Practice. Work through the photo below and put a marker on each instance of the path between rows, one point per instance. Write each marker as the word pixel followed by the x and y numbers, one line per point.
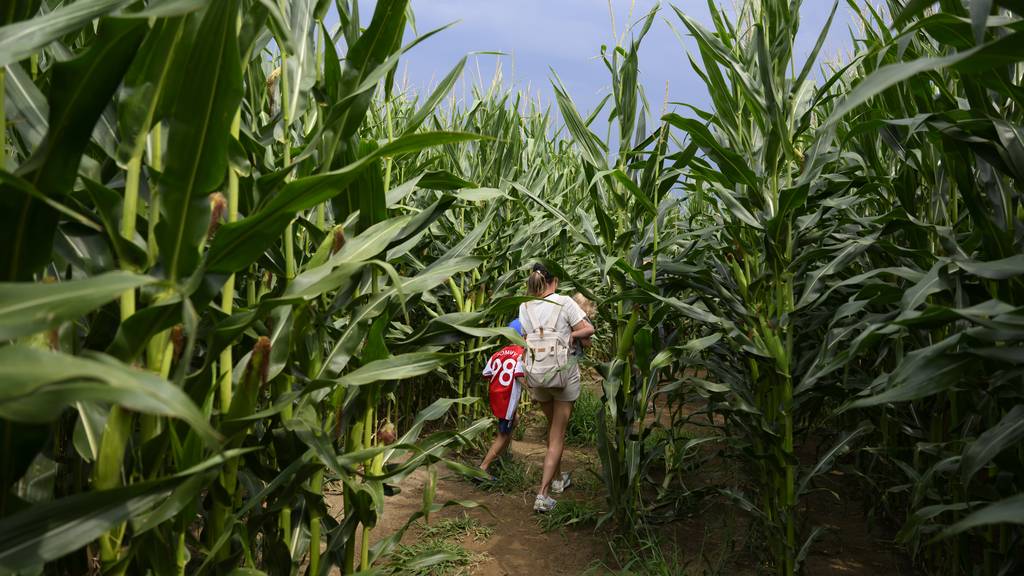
pixel 517 546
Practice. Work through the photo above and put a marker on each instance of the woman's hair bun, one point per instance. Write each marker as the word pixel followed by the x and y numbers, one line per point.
pixel 548 276
pixel 538 280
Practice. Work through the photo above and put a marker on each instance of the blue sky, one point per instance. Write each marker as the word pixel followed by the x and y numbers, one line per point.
pixel 566 36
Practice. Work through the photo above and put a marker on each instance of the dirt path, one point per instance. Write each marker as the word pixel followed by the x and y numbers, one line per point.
pixel 517 545
pixel 713 539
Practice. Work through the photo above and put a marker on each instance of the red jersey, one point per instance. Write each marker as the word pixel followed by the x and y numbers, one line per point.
pixel 504 369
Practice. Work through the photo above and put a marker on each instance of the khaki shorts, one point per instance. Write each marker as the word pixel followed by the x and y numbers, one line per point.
pixel 568 394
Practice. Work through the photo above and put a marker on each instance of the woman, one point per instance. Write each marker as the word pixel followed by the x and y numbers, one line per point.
pixel 569 320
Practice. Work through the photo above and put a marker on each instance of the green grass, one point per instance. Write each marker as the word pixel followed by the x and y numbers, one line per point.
pixel 435 557
pixel 527 418
pixel 513 475
pixel 583 424
pixel 661 434
pixel 640 555
pixel 587 479
pixel 569 514
pixel 440 549
pixel 458 528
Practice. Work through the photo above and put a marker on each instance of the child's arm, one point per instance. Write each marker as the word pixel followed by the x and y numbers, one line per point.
pixel 517 392
pixel 488 372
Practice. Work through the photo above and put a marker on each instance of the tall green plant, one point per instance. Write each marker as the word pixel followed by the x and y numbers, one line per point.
pixel 625 232
pixel 831 237
pixel 154 165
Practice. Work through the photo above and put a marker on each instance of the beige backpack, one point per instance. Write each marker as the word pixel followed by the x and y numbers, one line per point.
pixel 547 353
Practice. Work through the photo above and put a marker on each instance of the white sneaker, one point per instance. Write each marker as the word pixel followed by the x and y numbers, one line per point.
pixel 544 504
pixel 559 486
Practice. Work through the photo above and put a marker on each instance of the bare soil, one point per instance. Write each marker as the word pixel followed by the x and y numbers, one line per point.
pixel 851 543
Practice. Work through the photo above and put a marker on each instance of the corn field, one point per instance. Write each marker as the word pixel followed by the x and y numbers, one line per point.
pixel 241 262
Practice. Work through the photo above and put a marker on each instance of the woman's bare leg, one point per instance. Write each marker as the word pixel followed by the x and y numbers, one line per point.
pixel 547 408
pixel 556 442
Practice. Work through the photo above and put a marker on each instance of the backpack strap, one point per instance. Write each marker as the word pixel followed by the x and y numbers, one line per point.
pixel 554 323
pixel 533 321
pixel 552 326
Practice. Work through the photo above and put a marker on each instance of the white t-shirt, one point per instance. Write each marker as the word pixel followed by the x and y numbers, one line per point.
pixel 544 311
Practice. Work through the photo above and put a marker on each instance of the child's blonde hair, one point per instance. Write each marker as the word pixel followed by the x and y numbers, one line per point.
pixel 585 304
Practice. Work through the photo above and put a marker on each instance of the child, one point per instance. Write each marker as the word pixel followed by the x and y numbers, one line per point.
pixel 590 310
pixel 505 369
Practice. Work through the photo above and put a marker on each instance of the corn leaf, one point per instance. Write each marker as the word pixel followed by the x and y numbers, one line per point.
pixel 19 40
pixel 49 530
pixel 300 71
pixel 923 373
pixel 28 307
pixel 26 102
pixel 240 243
pixel 145 83
pixel 1006 511
pixel 83 87
pixel 197 145
pixel 39 383
pixel 1007 433
pixel 399 367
